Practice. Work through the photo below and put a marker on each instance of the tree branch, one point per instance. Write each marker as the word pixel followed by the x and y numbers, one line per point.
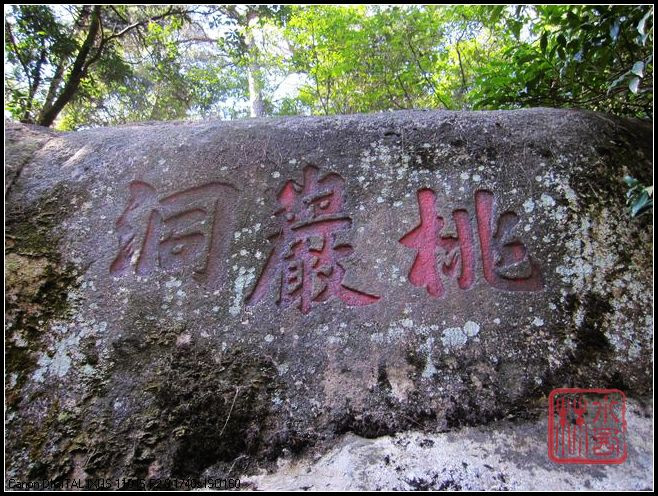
pixel 422 72
pixel 461 67
pixel 199 39
pixel 12 42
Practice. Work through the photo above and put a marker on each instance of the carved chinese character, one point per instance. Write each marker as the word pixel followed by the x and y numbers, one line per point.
pixel 305 263
pixel 505 262
pixel 184 231
pixel 456 252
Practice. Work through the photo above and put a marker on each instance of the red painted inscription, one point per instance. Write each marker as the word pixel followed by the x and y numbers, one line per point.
pixel 305 263
pixel 505 261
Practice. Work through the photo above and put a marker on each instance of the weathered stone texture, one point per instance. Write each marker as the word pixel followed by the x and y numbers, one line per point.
pixel 189 298
pixel 503 456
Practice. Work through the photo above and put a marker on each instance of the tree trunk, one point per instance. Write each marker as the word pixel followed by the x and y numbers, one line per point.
pixel 58 77
pixel 48 115
pixel 254 70
pixel 36 81
pixel 53 88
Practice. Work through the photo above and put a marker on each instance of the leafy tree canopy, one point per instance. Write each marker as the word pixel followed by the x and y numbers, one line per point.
pixel 77 66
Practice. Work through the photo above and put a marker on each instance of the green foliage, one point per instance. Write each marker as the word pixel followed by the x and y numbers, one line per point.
pixel 168 62
pixel 90 62
pixel 361 59
pixel 594 57
pixel 34 41
pixel 639 197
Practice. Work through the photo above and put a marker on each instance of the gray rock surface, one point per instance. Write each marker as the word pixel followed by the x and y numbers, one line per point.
pixel 190 298
pixel 502 456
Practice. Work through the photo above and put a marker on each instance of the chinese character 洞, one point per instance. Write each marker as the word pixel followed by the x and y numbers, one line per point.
pixel 184 231
pixel 305 264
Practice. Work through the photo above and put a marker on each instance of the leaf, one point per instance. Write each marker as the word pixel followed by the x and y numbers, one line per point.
pixel 630 181
pixel 641 204
pixel 527 57
pixel 617 81
pixel 634 85
pixel 515 26
pixel 572 19
pixel 543 43
pixel 641 26
pixel 638 68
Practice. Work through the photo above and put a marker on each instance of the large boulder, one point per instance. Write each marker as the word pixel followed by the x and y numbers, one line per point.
pixel 194 298
pixel 506 455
